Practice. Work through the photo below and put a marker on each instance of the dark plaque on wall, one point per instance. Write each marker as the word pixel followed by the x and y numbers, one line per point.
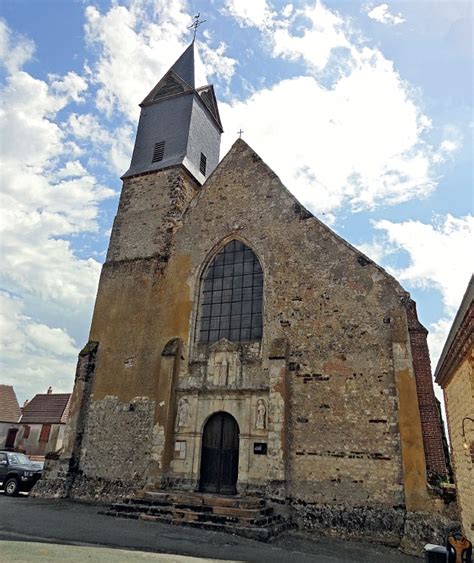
pixel 260 448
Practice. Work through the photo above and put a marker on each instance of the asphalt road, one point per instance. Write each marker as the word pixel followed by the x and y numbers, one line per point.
pixel 27 519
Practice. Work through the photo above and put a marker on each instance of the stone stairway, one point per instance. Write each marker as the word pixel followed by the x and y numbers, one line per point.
pixel 245 516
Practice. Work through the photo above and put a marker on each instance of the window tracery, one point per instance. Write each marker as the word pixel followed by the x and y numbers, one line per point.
pixel 232 296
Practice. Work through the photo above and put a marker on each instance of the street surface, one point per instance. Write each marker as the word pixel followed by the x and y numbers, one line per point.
pixel 68 523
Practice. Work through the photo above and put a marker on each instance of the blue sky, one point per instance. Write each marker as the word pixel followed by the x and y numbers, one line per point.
pixel 364 110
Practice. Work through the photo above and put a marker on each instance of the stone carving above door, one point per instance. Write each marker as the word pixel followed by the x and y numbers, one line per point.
pixel 224 366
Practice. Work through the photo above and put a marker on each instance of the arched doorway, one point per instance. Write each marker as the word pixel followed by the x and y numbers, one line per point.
pixel 220 455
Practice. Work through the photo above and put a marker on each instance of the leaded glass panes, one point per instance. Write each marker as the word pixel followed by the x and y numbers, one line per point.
pixel 232 294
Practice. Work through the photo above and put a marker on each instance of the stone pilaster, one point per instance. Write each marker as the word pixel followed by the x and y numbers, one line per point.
pixel 277 415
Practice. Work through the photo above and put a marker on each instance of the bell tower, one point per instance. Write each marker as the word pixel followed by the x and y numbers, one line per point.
pixel 176 148
pixel 123 373
pixel 179 122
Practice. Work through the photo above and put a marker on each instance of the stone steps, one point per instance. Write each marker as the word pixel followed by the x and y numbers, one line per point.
pixel 248 517
pixel 202 499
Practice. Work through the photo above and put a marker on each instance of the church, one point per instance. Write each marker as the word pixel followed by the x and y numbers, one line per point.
pixel 241 349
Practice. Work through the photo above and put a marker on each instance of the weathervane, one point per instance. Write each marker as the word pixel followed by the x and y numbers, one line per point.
pixel 196 23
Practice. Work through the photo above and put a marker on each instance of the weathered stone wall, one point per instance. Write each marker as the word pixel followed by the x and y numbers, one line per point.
pixel 118 438
pixel 330 304
pixel 62 467
pixel 148 214
pixel 459 399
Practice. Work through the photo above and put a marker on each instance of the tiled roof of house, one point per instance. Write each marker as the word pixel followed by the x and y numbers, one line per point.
pixel 48 408
pixel 67 410
pixel 9 407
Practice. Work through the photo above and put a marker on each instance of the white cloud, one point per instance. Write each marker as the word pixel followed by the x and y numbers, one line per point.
pixel 439 257
pixel 216 62
pixel 381 13
pixel 117 144
pixel 15 50
pixel 438 333
pixel 249 13
pixel 440 254
pixel 449 146
pixel 69 87
pixel 72 169
pixel 357 142
pixel 34 355
pixel 324 31
pixel 356 138
pixel 376 250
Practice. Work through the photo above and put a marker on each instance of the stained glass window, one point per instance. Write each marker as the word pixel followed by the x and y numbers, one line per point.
pixel 232 296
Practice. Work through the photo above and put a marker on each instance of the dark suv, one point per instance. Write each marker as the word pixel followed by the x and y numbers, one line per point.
pixel 17 473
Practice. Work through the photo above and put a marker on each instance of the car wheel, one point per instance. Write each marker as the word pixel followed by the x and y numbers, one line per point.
pixel 11 487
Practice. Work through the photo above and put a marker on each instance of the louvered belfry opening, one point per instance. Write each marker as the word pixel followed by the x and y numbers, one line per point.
pixel 159 151
pixel 203 164
pixel 170 86
pixel 232 296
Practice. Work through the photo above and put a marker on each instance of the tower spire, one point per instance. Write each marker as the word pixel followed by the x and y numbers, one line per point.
pixel 179 122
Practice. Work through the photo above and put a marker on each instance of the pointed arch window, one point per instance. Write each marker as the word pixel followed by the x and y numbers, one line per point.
pixel 232 296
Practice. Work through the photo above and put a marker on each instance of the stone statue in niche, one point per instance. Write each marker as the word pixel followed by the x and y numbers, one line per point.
pixel 223 367
pixel 182 414
pixel 261 421
pixel 222 372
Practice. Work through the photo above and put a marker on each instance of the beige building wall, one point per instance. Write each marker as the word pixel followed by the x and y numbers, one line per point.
pixel 459 400
pixel 32 445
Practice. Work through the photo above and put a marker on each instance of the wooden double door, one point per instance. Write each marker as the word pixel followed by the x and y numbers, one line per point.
pixel 220 455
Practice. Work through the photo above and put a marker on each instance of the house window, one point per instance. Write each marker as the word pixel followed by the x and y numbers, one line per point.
pixel 26 431
pixel 158 152
pixel 203 164
pixel 45 432
pixel 232 296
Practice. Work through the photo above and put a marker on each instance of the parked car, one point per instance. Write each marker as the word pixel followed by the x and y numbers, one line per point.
pixel 17 472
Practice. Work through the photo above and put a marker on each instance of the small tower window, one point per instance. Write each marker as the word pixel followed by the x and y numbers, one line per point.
pixel 158 152
pixel 202 164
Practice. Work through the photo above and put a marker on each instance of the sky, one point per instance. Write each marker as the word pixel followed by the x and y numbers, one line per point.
pixel 364 110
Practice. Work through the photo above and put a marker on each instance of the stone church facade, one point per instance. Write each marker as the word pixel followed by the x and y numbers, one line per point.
pixel 239 346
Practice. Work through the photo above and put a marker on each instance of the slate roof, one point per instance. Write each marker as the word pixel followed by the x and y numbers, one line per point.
pixel 180 112
pixel 9 407
pixel 187 73
pixel 190 68
pixel 46 409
